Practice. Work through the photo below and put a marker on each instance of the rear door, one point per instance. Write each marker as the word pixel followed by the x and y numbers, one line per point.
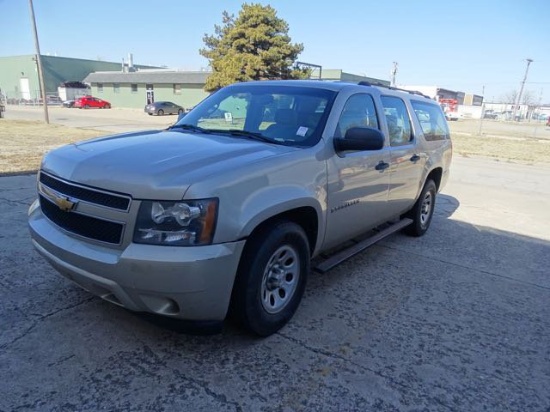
pixel 407 160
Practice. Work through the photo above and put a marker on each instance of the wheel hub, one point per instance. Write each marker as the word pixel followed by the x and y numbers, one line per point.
pixel 280 279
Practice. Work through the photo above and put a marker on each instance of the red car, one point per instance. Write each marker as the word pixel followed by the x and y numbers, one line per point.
pixel 88 101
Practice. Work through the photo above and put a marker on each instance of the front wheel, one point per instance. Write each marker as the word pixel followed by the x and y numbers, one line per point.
pixel 160 112
pixel 423 210
pixel 271 278
pixel 107 106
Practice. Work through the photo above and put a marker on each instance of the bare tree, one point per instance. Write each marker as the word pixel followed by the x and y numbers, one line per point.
pixel 528 98
pixel 509 97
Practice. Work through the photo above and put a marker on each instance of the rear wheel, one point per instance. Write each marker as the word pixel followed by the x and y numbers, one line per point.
pixel 423 210
pixel 160 112
pixel 271 278
pixel 86 106
pixel 180 111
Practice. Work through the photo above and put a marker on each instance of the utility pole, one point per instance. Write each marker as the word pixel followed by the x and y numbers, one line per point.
pixel 482 111
pixel 39 64
pixel 529 61
pixel 393 74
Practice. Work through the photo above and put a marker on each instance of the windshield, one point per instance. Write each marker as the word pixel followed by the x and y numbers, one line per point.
pixel 278 114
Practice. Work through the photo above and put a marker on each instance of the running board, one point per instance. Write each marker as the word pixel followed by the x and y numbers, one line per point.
pixel 345 254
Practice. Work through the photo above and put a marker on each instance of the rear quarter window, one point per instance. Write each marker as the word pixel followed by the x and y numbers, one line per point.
pixel 432 120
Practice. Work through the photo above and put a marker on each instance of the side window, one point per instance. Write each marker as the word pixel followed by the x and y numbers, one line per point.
pixel 359 111
pixel 397 119
pixel 432 120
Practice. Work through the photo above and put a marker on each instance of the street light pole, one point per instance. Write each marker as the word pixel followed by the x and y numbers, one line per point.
pixel 529 61
pixel 393 74
pixel 39 64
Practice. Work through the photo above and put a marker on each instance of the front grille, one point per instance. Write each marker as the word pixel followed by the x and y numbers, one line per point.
pixel 87 195
pixel 90 227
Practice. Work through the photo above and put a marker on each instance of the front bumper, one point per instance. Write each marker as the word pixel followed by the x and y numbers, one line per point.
pixel 192 283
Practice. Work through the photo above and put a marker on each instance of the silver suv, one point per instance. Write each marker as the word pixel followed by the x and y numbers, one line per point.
pixel 227 207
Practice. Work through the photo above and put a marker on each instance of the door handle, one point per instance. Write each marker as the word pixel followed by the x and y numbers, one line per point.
pixel 382 165
pixel 415 158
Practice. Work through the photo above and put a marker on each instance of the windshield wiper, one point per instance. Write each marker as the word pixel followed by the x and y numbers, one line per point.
pixel 189 127
pixel 245 133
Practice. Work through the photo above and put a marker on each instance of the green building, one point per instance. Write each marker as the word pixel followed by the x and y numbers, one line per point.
pixel 137 88
pixel 341 76
pixel 123 85
pixel 19 74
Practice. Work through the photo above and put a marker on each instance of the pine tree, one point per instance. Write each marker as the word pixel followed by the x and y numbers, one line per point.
pixel 253 46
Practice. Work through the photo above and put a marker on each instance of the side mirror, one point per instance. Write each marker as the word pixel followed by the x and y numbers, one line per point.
pixel 359 139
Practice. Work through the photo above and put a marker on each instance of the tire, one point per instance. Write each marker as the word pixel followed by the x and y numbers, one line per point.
pixel 107 106
pixel 150 114
pixel 271 278
pixel 180 111
pixel 160 112
pixel 423 211
pixel 86 106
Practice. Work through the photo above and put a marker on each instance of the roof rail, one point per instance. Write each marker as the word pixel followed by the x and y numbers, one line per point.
pixel 365 83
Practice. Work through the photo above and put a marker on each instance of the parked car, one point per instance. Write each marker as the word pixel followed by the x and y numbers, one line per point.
pixel 162 108
pixel 68 103
pixel 217 212
pixel 452 116
pixel 489 114
pixel 86 102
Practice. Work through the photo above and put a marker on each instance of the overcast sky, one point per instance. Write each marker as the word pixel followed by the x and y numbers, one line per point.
pixel 460 45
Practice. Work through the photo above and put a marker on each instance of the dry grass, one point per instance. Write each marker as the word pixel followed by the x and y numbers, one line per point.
pixel 521 150
pixel 522 143
pixel 25 142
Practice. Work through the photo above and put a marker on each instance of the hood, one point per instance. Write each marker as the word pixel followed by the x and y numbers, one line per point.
pixel 154 164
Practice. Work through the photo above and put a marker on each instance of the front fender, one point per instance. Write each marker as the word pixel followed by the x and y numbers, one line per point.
pixel 271 202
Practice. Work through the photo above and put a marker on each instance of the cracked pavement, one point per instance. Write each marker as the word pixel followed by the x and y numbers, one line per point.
pixel 458 320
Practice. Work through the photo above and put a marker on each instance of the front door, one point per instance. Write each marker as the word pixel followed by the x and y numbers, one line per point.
pixel 357 189
pixel 25 88
pixel 150 94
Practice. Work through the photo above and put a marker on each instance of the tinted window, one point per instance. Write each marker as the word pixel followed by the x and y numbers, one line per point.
pixel 432 120
pixel 397 119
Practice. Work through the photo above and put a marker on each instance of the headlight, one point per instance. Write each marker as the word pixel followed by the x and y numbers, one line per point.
pixel 183 223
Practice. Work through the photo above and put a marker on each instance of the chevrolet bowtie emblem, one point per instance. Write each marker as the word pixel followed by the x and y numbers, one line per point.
pixel 65 204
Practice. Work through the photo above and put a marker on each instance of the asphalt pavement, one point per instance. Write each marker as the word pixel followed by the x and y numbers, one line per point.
pixel 458 320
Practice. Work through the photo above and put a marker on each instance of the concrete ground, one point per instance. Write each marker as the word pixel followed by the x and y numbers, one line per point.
pixel 458 320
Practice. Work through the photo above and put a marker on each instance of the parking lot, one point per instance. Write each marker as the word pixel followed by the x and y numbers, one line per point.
pixel 458 320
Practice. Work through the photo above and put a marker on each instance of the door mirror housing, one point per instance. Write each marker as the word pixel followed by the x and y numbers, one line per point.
pixel 359 139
